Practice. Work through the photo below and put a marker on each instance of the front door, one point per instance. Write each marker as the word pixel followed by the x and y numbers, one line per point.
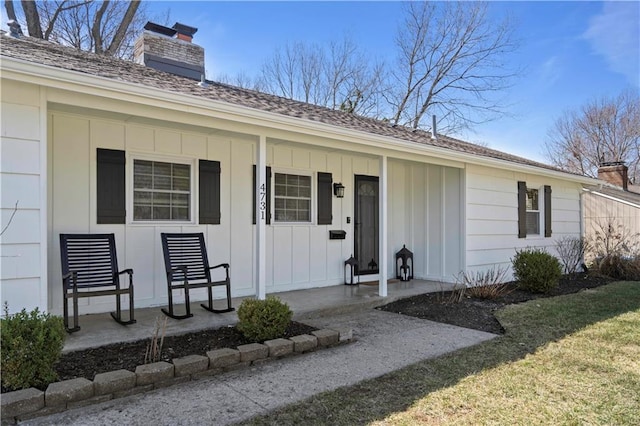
pixel 366 224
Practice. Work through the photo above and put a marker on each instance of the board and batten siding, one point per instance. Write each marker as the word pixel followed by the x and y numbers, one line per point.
pixel 426 214
pixel 298 255
pixel 492 215
pixel 23 279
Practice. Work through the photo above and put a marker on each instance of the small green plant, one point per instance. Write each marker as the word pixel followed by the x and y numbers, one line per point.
pixel 487 284
pixel 536 270
pixel 260 320
pixel 31 345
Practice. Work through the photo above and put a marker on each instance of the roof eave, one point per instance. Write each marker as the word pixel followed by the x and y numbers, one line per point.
pixel 67 79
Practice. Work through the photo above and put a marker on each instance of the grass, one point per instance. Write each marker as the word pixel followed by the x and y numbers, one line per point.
pixel 571 359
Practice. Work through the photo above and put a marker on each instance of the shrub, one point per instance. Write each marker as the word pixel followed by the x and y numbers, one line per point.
pixel 31 344
pixel 488 284
pixel 260 320
pixel 620 267
pixel 571 252
pixel 536 270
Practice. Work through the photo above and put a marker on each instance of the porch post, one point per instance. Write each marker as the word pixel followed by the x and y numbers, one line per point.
pixel 261 218
pixel 382 256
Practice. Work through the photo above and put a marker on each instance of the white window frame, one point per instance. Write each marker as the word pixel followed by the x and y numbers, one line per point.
pixel 193 183
pixel 313 197
pixel 539 211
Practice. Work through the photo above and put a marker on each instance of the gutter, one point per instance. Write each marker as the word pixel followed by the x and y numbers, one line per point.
pixel 610 197
pixel 91 84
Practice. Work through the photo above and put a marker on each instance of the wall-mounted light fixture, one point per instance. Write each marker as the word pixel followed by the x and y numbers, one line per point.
pixel 338 190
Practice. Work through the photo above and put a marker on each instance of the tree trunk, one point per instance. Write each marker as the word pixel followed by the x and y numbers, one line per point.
pixel 11 12
pixel 122 28
pixel 32 17
pixel 96 28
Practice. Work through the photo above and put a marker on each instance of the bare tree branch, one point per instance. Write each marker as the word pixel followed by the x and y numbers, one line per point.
pixel 603 130
pixel 11 12
pixel 97 26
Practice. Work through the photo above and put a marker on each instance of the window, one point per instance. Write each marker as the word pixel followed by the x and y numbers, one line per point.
pixel 161 191
pixel 533 212
pixel 292 198
pixel 529 209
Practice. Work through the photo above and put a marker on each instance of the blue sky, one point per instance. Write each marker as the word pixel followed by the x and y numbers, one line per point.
pixel 570 52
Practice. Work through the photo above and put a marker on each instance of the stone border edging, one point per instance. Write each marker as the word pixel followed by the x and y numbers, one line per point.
pixel 29 403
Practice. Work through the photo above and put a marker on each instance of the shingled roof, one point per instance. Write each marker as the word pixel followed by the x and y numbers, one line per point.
pixel 67 58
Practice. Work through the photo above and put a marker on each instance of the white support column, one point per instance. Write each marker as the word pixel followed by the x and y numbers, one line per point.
pixel 382 224
pixel 261 218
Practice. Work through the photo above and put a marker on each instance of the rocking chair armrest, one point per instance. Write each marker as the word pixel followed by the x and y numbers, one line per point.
pixel 68 275
pixel 71 275
pixel 222 265
pixel 126 271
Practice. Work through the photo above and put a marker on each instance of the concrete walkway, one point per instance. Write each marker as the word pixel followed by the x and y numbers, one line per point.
pixel 384 342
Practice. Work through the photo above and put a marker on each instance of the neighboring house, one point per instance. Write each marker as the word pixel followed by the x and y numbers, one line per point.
pixel 614 201
pixel 93 144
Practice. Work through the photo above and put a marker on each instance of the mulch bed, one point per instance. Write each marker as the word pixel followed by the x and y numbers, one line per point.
pixel 477 314
pixel 87 363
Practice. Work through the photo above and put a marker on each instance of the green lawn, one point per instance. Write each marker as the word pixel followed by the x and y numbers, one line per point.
pixel 572 359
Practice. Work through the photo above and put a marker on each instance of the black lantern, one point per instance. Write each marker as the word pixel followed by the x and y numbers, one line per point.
pixel 338 190
pixel 404 264
pixel 349 269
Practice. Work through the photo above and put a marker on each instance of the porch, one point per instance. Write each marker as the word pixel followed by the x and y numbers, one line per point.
pixel 100 329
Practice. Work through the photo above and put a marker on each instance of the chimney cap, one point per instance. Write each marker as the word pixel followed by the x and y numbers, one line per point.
pixel 160 29
pixel 185 29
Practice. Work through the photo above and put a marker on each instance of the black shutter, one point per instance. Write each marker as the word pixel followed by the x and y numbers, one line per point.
pixel 522 209
pixel 325 197
pixel 253 191
pixel 110 186
pixel 209 181
pixel 547 211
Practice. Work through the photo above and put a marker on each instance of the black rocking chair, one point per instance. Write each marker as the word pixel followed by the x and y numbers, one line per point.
pixel 90 269
pixel 187 267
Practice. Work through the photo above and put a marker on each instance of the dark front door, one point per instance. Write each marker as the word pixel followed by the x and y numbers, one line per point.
pixel 366 224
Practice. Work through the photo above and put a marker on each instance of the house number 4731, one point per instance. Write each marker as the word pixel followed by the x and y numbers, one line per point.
pixel 263 201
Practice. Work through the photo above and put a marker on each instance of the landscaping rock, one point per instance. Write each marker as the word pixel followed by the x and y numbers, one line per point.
pixel 189 365
pixel 304 343
pixel 61 393
pixel 327 337
pixel 21 402
pixel 220 358
pixel 279 347
pixel 253 351
pixel 153 373
pixel 113 381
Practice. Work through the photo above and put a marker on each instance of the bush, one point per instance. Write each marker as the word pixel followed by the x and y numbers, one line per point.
pixel 536 270
pixel 571 252
pixel 487 284
pixel 31 344
pixel 620 267
pixel 260 320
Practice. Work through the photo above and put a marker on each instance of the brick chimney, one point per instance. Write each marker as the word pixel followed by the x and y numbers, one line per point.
pixel 170 50
pixel 614 173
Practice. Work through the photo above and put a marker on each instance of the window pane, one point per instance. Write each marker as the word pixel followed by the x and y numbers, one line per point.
pixel 141 166
pixel 141 212
pixel 180 184
pixel 292 191
pixel 281 179
pixel 161 213
pixel 162 168
pixel 180 200
pixel 141 197
pixel 281 190
pixel 178 213
pixel 142 181
pixel 181 170
pixel 161 198
pixel 533 223
pixel 305 191
pixel 532 199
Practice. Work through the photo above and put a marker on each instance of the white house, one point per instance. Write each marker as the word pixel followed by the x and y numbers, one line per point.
pixel 83 136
